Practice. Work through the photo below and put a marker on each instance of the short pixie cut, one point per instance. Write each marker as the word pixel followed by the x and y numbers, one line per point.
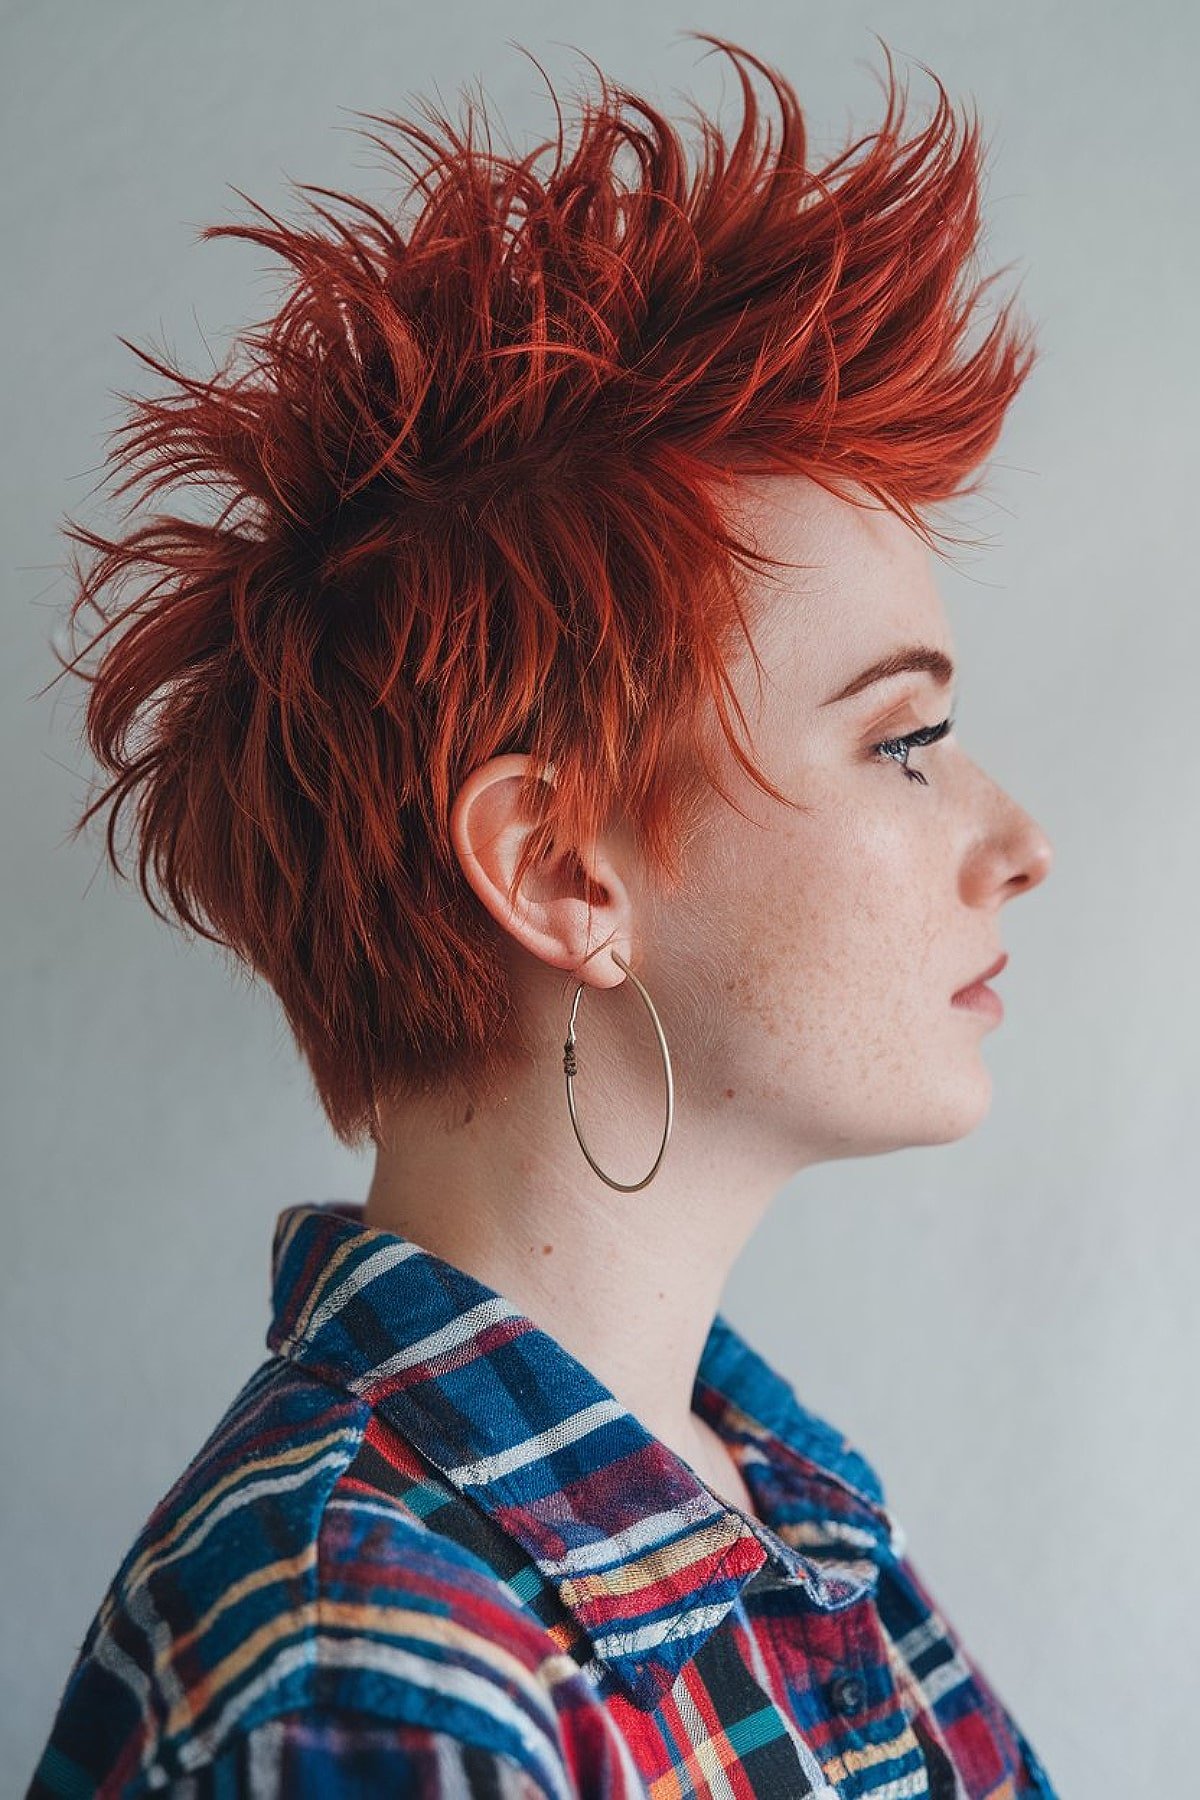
pixel 471 477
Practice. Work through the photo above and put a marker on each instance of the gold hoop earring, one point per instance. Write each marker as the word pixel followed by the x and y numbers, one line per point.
pixel 570 1069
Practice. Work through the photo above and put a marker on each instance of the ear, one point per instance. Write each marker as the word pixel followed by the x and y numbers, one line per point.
pixel 549 912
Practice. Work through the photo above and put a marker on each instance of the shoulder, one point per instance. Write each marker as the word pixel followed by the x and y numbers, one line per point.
pixel 280 1592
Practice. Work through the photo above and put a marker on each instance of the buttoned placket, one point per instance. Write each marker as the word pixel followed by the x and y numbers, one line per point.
pixel 834 1626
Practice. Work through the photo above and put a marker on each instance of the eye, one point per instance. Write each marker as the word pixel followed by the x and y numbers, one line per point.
pixel 899 747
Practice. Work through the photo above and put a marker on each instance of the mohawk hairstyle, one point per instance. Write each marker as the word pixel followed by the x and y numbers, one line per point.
pixel 472 473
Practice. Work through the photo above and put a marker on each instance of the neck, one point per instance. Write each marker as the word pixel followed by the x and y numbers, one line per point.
pixel 628 1283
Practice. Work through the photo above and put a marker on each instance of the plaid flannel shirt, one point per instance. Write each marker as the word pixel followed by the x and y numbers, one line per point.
pixel 425 1552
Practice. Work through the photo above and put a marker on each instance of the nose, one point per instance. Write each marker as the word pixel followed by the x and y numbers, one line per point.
pixel 1039 856
pixel 1011 854
pixel 1028 849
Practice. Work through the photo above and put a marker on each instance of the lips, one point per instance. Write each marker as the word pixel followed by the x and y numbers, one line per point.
pixel 986 976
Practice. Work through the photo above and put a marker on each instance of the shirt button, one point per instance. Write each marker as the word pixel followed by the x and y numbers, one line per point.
pixel 847 1693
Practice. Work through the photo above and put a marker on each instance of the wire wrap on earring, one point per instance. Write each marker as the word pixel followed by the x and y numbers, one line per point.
pixel 570 1068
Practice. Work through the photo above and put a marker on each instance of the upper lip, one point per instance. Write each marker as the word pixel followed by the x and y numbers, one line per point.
pixel 987 973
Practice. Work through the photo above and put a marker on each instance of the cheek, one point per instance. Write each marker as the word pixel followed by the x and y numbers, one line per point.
pixel 847 902
pixel 817 924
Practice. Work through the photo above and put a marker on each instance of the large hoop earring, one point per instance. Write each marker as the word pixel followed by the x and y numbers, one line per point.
pixel 570 1069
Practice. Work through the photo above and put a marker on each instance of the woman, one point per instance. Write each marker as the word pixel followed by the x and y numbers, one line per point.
pixel 571 626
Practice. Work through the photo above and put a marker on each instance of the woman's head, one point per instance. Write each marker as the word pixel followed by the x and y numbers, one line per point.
pixel 503 480
pixel 805 962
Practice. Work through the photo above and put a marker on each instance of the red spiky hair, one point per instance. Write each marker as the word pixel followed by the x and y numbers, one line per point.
pixel 472 472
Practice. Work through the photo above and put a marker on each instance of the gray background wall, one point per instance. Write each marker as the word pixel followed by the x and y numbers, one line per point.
pixel 1033 1410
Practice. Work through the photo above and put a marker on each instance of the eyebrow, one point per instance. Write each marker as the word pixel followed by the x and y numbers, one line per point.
pixel 922 658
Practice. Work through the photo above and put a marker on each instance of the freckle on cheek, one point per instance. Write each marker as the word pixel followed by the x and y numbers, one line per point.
pixel 547 1249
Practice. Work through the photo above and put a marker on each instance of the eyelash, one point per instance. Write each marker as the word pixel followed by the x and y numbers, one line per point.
pixel 913 740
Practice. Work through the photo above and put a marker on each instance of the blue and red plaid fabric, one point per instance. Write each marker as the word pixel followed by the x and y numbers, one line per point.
pixel 425 1552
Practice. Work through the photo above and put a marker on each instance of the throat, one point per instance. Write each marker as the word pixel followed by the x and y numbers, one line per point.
pixel 728 1485
pixel 717 1468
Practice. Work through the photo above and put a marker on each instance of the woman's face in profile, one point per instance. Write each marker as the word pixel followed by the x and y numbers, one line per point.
pixel 847 928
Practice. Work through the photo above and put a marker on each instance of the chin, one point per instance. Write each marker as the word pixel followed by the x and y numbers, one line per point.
pixel 948 1116
pixel 964 1107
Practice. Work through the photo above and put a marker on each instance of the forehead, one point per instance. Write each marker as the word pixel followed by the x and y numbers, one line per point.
pixel 855 582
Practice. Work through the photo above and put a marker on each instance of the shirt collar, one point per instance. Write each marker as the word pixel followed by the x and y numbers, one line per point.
pixel 639 1550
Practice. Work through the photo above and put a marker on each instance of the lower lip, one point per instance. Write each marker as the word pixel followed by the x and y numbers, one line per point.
pixel 980 998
